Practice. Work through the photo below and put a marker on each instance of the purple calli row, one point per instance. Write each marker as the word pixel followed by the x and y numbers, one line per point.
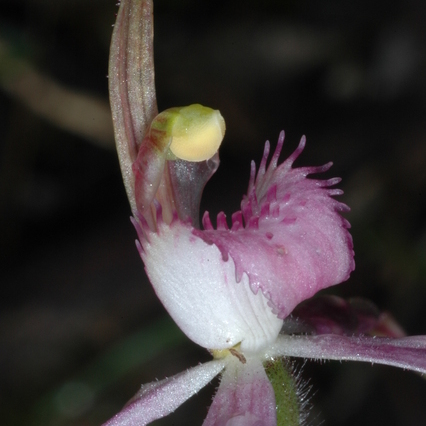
pixel 247 284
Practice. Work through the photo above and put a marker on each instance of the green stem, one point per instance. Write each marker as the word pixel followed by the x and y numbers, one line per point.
pixel 286 392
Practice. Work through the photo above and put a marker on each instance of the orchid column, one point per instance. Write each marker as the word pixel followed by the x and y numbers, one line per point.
pixel 232 288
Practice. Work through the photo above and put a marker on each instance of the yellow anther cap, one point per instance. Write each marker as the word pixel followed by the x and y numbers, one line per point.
pixel 197 133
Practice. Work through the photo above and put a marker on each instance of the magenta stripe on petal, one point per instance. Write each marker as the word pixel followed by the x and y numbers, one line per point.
pixel 245 397
pixel 407 352
pixel 157 399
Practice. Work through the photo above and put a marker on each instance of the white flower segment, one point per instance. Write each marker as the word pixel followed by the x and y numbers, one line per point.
pixel 199 290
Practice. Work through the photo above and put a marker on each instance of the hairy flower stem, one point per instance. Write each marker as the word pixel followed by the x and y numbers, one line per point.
pixel 280 375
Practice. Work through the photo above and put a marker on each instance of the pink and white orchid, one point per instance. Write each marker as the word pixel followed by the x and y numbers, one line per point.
pixel 235 290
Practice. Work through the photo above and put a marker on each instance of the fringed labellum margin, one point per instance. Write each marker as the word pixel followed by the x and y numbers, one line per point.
pixel 231 289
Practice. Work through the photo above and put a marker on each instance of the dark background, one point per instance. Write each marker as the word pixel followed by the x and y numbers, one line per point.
pixel 80 327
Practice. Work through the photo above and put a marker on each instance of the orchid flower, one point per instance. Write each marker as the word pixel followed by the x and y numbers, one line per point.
pixel 242 291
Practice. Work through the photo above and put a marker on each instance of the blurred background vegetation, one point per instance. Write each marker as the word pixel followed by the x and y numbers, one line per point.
pixel 80 327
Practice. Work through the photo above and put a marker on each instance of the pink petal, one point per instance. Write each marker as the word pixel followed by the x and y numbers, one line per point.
pixel 199 290
pixel 245 397
pixel 334 315
pixel 407 352
pixel 387 326
pixel 158 399
pixel 131 83
pixel 293 242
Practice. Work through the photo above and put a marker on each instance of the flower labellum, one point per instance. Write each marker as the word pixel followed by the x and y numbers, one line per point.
pixel 286 243
pixel 241 289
